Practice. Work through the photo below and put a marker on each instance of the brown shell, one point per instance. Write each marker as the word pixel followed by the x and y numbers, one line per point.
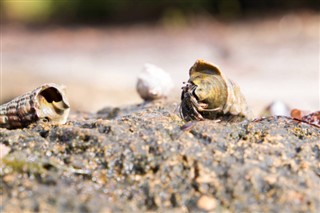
pixel 47 102
pixel 222 97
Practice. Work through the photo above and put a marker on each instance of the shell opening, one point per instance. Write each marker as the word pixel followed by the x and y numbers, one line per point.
pixel 51 94
pixel 193 91
pixel 188 106
pixel 191 88
pixel 53 105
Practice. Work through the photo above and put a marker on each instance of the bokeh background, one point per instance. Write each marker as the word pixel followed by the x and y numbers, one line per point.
pixel 97 48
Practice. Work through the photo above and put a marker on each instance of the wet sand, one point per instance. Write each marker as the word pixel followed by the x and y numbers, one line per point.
pixel 138 159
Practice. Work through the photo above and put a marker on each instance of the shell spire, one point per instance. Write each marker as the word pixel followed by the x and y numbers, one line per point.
pixel 47 102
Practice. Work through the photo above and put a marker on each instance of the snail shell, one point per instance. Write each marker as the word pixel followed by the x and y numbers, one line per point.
pixel 47 102
pixel 276 108
pixel 153 83
pixel 208 94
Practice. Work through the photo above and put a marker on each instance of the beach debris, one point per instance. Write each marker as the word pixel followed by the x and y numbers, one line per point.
pixel 311 118
pixel 153 83
pixel 47 102
pixel 298 114
pixel 208 94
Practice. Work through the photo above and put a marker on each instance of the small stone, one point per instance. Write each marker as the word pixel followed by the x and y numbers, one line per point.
pixel 206 203
pixel 4 150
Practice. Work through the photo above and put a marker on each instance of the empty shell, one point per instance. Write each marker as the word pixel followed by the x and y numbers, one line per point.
pixel 153 83
pixel 276 108
pixel 208 94
pixel 47 102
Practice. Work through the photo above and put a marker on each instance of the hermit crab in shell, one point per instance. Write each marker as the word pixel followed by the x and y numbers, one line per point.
pixel 208 94
pixel 47 102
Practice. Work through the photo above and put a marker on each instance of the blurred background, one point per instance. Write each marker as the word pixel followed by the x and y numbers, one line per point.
pixel 97 48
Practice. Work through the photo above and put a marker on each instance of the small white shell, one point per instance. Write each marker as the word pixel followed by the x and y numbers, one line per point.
pixel 277 108
pixel 153 83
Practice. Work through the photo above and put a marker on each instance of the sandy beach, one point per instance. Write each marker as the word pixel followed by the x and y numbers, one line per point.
pixel 117 154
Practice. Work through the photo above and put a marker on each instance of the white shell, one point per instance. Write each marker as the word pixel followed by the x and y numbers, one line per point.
pixel 277 108
pixel 153 83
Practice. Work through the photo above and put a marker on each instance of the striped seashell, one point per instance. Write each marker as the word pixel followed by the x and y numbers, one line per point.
pixel 208 94
pixel 47 102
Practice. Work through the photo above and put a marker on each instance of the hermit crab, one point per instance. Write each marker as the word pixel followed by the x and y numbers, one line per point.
pixel 47 102
pixel 208 94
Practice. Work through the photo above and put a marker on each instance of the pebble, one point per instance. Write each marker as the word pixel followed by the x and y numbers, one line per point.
pixel 206 203
pixel 4 150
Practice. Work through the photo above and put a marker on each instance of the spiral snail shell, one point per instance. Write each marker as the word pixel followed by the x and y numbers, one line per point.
pixel 47 102
pixel 208 94
pixel 153 83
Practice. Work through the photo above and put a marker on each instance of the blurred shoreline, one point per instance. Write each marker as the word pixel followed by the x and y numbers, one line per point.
pixel 274 58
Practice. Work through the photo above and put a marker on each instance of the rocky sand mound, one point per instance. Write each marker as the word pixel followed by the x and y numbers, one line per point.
pixel 137 159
